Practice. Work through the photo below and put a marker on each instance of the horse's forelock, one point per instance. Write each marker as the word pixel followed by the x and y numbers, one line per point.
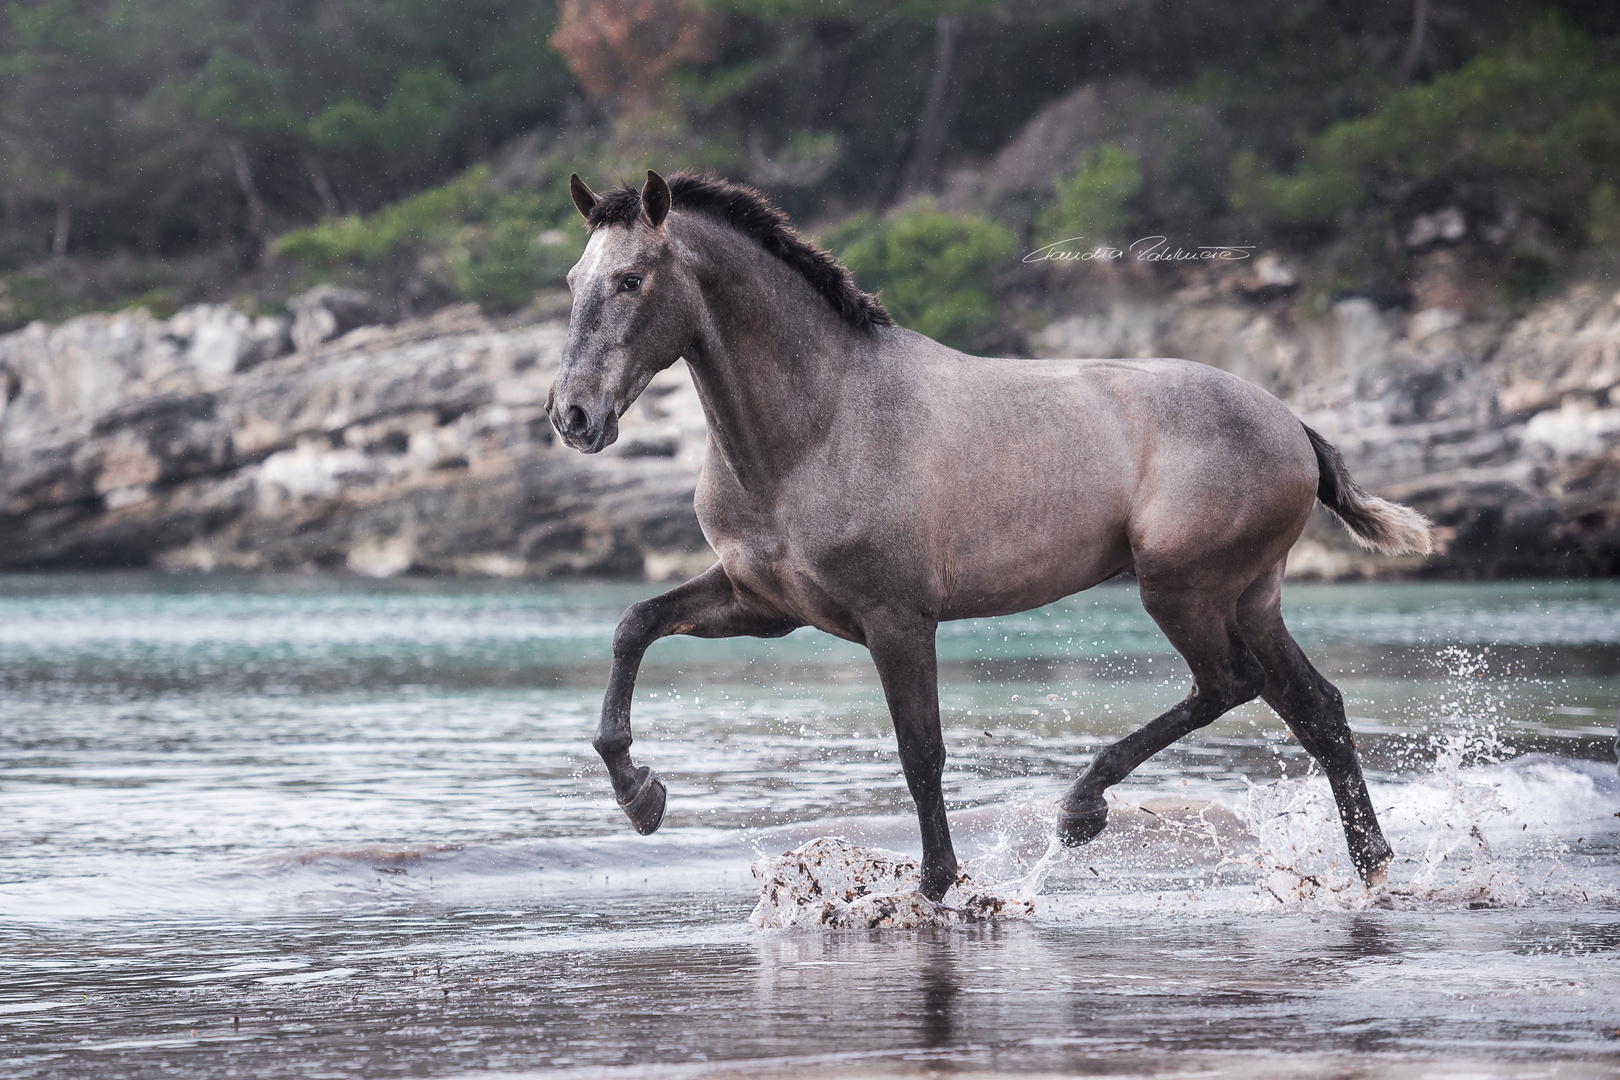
pixel 616 206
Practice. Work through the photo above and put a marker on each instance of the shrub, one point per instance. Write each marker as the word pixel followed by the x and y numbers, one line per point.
pixel 517 248
pixel 1603 216
pixel 1091 203
pixel 931 268
pixel 362 241
pixel 497 248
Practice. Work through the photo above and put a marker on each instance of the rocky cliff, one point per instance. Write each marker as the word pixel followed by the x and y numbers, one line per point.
pixel 205 442
pixel 213 441
pixel 1505 431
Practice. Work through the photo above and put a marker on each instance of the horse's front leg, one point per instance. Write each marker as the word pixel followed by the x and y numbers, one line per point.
pixel 706 606
pixel 907 665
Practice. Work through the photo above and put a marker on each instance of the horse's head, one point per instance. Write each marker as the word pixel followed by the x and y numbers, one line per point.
pixel 630 318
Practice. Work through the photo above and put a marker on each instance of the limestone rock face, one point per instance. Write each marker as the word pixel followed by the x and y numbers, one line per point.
pixel 1506 433
pixel 207 442
pixel 203 442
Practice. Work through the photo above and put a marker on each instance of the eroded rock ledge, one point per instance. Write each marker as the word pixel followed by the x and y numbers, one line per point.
pixel 200 443
pixel 1505 432
pixel 208 442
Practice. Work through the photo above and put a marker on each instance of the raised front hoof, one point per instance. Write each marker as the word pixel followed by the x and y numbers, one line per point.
pixel 1080 824
pixel 645 806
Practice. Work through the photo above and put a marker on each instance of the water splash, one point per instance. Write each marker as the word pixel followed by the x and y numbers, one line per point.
pixel 1298 851
pixel 1026 888
pixel 829 883
pixel 1439 821
pixel 1474 823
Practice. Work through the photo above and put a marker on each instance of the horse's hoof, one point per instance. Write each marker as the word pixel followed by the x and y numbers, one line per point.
pixel 645 806
pixel 937 881
pixel 1080 825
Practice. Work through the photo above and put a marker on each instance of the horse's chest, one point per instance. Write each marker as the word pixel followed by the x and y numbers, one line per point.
pixel 769 559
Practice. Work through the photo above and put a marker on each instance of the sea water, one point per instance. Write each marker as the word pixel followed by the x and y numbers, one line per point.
pixel 321 826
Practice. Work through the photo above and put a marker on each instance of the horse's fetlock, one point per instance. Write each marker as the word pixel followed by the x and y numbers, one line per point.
pixel 611 746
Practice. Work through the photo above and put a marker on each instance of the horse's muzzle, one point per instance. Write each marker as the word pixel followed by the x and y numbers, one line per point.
pixel 584 429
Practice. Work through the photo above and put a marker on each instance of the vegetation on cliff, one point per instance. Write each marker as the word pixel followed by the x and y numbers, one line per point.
pixel 159 153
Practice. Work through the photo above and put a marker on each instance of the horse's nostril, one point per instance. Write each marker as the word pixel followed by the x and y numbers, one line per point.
pixel 575 421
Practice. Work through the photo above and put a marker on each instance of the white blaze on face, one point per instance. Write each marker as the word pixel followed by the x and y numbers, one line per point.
pixel 590 262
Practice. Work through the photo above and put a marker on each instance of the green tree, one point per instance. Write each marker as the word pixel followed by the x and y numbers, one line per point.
pixel 1536 119
pixel 162 124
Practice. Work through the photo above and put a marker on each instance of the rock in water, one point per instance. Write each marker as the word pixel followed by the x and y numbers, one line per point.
pixel 830 883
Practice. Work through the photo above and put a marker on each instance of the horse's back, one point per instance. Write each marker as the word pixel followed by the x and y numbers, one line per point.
pixel 1163 424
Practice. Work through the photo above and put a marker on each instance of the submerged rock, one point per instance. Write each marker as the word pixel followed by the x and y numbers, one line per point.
pixel 831 884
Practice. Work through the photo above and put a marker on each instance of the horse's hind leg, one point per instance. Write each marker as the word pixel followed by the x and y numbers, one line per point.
pixel 1203 628
pixel 706 606
pixel 1314 710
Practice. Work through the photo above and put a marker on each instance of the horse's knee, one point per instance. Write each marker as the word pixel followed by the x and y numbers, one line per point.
pixel 636 630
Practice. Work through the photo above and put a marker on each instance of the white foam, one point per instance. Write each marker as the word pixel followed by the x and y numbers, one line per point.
pixel 832 884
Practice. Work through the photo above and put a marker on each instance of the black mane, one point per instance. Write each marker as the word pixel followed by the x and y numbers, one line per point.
pixel 751 213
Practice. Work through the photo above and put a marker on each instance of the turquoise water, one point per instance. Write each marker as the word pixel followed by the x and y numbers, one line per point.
pixel 143 627
pixel 295 825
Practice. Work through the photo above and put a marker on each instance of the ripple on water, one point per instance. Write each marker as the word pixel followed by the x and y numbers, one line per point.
pixel 253 826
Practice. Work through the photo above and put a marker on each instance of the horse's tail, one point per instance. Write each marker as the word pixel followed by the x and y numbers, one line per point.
pixel 1375 523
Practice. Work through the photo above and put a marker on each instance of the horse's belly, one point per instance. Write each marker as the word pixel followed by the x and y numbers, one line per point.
pixel 1012 570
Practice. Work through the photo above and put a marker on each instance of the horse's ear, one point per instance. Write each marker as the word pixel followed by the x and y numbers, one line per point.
pixel 584 197
pixel 655 199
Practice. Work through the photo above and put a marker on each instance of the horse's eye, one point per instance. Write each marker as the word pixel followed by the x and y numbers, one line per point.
pixel 630 283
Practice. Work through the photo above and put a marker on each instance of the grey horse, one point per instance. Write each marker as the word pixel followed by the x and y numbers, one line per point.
pixel 868 481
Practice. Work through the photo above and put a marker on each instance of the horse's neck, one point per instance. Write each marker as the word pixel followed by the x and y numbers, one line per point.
pixel 772 364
